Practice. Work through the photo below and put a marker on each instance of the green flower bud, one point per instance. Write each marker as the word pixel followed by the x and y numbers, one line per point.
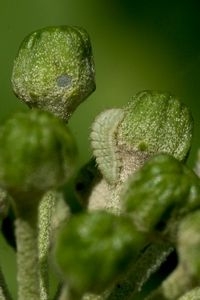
pixel 153 122
pixel 37 153
pixel 93 250
pixel 163 188
pixel 54 69
pixel 157 123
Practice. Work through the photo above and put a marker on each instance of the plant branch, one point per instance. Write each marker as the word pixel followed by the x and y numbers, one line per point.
pixel 45 214
pixel 147 264
pixel 27 260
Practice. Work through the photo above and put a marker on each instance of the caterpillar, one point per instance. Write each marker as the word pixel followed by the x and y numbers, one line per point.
pixel 104 143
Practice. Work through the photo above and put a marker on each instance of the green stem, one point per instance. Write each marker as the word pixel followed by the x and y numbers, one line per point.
pixel 27 259
pixel 58 291
pixel 4 292
pixel 46 208
pixel 148 263
pixel 68 294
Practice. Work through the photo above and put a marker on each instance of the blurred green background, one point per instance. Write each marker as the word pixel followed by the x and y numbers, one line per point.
pixel 137 45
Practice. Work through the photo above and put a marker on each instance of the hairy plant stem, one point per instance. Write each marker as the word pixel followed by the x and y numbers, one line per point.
pixel 147 264
pixel 27 256
pixel 46 208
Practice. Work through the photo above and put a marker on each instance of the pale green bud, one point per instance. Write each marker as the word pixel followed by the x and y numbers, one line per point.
pixel 54 70
pixel 156 122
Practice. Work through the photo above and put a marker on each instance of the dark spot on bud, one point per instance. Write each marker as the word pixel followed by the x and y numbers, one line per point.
pixel 64 80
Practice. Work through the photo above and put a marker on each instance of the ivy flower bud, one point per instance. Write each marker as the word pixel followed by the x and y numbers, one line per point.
pixel 162 189
pixel 54 70
pixel 93 250
pixel 37 153
pixel 152 123
pixel 157 122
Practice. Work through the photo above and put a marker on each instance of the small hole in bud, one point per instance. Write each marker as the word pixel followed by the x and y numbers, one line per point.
pixel 64 80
